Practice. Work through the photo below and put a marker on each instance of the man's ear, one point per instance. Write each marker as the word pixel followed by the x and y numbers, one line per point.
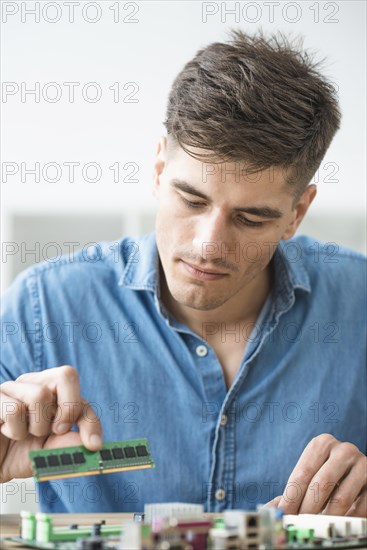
pixel 159 164
pixel 300 210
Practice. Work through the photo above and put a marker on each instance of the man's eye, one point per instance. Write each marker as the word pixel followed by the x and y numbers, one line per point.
pixel 193 204
pixel 249 223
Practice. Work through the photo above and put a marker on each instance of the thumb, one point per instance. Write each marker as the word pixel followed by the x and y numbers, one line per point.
pixel 274 502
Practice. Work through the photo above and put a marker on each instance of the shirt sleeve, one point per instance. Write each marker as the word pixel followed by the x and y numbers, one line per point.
pixel 21 327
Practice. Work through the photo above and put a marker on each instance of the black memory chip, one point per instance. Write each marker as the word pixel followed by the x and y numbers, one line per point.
pixel 40 462
pixel 66 459
pixel 105 454
pixel 141 450
pixel 130 452
pixel 118 453
pixel 53 460
pixel 79 458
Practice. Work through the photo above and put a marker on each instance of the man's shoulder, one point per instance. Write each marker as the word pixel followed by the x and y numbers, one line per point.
pixel 324 254
pixel 315 248
pixel 95 261
pixel 326 262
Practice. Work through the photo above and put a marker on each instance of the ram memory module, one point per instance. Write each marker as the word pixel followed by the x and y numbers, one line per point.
pixel 115 456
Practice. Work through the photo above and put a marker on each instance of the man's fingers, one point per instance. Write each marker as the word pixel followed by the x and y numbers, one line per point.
pixel 64 382
pixel 69 401
pixel 348 490
pixel 359 507
pixel 55 395
pixel 15 461
pixel 274 502
pixel 90 428
pixel 13 417
pixel 4 446
pixel 311 460
pixel 323 484
pixel 37 404
pixel 76 410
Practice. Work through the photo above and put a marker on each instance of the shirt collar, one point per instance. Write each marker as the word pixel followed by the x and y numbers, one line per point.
pixel 290 265
pixel 290 274
pixel 141 271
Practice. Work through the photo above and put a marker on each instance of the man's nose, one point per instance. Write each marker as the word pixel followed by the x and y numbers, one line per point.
pixel 210 235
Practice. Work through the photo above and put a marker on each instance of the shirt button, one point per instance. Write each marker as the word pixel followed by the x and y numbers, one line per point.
pixel 201 351
pixel 223 420
pixel 220 494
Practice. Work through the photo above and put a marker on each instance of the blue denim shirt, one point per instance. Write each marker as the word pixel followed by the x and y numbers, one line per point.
pixel 303 372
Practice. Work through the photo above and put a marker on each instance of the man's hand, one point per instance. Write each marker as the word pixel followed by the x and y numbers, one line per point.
pixel 330 477
pixel 38 411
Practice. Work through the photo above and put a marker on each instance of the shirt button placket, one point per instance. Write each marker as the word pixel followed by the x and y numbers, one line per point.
pixel 220 495
pixel 201 350
pixel 223 420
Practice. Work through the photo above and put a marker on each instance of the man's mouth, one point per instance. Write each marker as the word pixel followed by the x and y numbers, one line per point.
pixel 198 272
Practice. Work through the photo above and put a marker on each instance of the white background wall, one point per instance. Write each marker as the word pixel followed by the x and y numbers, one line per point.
pixel 146 46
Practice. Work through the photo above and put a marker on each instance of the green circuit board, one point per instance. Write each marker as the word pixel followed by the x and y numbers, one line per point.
pixel 196 532
pixel 115 456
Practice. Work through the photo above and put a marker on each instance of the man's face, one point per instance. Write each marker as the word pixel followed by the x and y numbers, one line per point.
pixel 221 220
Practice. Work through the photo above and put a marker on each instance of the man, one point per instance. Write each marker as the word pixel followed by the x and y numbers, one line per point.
pixel 236 349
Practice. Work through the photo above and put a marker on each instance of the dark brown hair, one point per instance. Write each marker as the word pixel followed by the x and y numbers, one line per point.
pixel 257 100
